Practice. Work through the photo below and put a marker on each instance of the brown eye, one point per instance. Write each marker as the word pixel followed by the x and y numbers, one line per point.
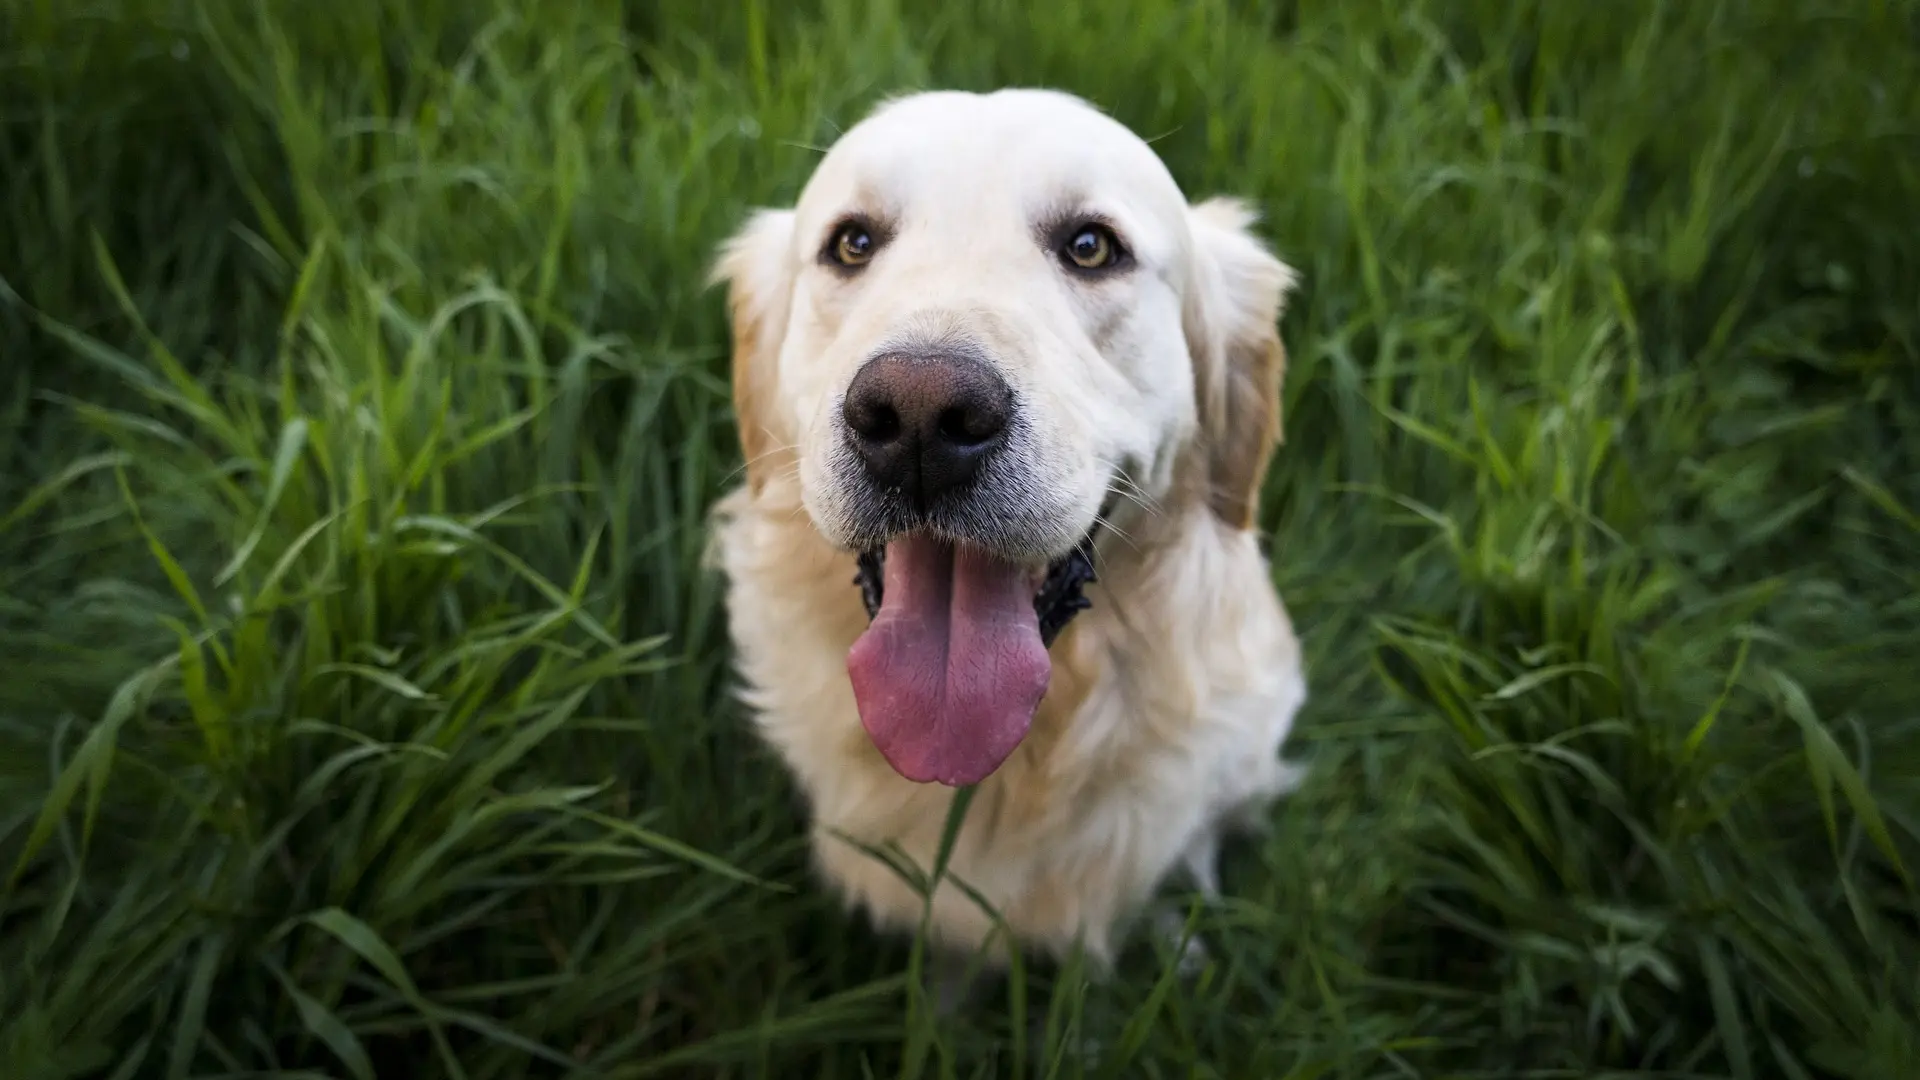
pixel 852 245
pixel 1091 248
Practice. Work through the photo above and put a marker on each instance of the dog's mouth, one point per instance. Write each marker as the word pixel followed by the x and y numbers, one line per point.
pixel 1056 601
pixel 954 663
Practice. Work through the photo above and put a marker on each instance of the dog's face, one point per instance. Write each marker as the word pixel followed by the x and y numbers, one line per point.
pixel 987 317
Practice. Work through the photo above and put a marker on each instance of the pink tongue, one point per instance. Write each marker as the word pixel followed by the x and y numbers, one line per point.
pixel 949 674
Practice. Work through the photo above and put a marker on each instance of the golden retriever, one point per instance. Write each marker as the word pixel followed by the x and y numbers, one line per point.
pixel 1006 401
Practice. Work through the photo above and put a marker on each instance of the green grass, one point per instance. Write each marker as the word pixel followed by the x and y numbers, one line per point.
pixel 365 709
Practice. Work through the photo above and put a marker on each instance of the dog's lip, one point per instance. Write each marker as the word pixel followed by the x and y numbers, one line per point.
pixel 1058 589
pixel 1036 576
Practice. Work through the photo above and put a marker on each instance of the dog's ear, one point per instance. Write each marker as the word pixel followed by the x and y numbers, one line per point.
pixel 755 266
pixel 1237 293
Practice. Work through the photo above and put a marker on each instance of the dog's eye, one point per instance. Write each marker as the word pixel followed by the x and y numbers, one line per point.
pixel 852 245
pixel 1092 248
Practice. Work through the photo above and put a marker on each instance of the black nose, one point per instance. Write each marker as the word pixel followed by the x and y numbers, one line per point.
pixel 924 425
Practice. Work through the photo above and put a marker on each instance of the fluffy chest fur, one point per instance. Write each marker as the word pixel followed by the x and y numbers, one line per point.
pixel 1160 730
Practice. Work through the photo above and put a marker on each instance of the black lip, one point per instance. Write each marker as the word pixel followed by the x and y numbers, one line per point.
pixel 1058 600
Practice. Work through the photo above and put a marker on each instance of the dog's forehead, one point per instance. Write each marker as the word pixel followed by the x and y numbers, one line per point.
pixel 1027 150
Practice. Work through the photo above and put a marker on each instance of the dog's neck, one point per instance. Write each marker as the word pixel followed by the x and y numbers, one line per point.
pixel 1181 616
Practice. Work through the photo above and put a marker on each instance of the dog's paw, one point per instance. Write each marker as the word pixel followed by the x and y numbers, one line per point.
pixel 1194 958
pixel 1191 955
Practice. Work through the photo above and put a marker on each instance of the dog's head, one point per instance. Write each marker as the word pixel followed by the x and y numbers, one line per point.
pixel 986 317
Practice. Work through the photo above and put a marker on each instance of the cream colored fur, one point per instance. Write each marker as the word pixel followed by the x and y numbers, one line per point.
pixel 1171 696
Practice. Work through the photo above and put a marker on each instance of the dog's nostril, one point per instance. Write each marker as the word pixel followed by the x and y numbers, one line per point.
pixel 965 426
pixel 874 422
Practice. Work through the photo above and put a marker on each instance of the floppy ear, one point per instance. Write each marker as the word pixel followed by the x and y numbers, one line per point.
pixel 754 265
pixel 1237 293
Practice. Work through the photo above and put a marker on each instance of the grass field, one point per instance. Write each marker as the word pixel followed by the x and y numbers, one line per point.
pixel 365 709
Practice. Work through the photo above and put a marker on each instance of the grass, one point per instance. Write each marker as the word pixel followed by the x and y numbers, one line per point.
pixel 366 703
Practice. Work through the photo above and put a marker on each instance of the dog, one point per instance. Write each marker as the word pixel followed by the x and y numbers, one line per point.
pixel 1006 401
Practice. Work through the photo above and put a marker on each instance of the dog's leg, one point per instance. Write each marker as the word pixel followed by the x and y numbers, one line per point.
pixel 1202 864
pixel 1202 860
pixel 1253 816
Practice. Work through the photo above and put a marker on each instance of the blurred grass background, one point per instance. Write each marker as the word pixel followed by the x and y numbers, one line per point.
pixel 365 703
